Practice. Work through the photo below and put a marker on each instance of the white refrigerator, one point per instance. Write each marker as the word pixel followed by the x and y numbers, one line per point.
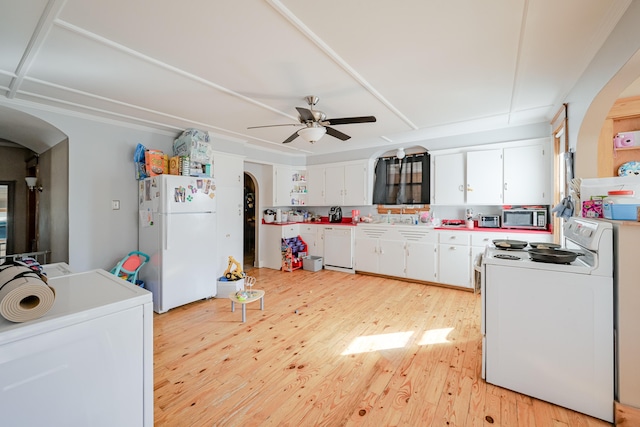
pixel 178 231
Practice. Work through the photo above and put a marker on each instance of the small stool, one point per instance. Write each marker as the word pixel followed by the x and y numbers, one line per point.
pixel 255 295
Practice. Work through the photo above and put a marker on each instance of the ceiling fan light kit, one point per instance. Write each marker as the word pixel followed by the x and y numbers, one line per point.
pixel 400 153
pixel 312 134
pixel 316 123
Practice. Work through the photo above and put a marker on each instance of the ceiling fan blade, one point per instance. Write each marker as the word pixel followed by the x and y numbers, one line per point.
pixel 291 138
pixel 337 133
pixel 270 126
pixel 305 114
pixel 349 120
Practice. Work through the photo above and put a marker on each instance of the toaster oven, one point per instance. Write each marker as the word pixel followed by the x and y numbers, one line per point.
pixel 489 221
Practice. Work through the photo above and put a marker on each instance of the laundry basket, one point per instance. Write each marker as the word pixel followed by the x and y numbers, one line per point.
pixel 129 267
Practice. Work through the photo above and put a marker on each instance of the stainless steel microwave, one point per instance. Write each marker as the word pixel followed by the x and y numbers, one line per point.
pixel 530 219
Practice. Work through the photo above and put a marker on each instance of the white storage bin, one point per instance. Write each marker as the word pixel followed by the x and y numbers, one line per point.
pixel 226 288
pixel 312 263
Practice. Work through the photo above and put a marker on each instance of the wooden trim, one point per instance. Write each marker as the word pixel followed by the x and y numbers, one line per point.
pixel 559 118
pixel 625 107
pixel 605 149
pixel 397 210
pixel 420 282
pixel 626 416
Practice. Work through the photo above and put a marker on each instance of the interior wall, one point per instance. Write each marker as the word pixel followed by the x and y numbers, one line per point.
pixel 615 66
pixel 54 202
pixel 263 175
pixel 13 168
pixel 99 169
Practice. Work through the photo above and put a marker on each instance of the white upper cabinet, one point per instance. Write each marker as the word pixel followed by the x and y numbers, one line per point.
pixel 355 185
pixel 334 185
pixel 484 177
pixel 289 186
pixel 449 176
pixel 527 175
pixel 516 175
pixel 315 185
pixel 346 185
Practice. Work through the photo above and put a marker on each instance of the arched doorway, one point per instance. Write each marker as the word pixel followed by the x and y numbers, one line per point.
pixel 250 226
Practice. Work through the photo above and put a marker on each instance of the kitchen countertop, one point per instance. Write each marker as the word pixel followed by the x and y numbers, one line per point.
pixel 324 221
pixel 491 230
pixel 347 222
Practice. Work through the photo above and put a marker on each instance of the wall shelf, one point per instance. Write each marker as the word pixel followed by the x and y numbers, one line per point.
pixel 624 116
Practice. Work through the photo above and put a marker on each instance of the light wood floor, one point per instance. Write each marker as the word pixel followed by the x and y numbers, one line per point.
pixel 297 363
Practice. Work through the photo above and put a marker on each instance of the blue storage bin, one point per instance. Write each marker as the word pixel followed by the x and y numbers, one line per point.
pixel 620 211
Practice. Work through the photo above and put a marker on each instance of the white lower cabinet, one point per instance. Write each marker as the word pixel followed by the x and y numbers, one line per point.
pixel 367 248
pixel 426 254
pixel 392 257
pixel 454 258
pixel 274 235
pixel 313 236
pixel 421 254
pixel 408 252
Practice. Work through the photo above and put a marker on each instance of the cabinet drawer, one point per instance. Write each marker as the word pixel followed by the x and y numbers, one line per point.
pixel 484 239
pixel 417 234
pixel 453 237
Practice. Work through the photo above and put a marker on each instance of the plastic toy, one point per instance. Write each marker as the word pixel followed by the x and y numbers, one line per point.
pixel 130 265
pixel 234 270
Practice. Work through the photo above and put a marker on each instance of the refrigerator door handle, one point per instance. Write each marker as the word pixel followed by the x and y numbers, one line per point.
pixel 167 228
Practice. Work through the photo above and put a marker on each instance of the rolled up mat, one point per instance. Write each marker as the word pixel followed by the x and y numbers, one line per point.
pixel 24 295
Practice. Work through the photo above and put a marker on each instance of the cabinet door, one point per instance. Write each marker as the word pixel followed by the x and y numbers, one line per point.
pixel 421 261
pixel 315 186
pixel 355 185
pixel 484 177
pixel 289 231
pixel 526 175
pixel 454 265
pixel 309 238
pixel 312 236
pixel 334 185
pixel 392 257
pixel 272 256
pixel 366 255
pixel 282 186
pixel 229 180
pixel 449 179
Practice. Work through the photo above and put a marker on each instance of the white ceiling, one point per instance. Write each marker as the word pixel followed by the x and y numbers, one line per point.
pixel 425 69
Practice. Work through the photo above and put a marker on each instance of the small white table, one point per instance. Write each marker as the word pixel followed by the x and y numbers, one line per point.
pixel 254 295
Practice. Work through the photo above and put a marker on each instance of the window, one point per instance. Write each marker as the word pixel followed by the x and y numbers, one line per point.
pixel 402 181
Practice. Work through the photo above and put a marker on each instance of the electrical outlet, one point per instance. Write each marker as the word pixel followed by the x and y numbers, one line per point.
pixel 115 205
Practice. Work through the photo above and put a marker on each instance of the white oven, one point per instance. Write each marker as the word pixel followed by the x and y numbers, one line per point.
pixel 548 327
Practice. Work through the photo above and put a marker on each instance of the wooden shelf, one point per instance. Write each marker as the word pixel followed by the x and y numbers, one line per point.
pixel 627 148
pixel 624 116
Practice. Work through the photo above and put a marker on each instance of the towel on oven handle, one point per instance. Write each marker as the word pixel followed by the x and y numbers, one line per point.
pixel 564 209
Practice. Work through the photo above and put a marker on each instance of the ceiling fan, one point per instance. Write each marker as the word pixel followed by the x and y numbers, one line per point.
pixel 316 124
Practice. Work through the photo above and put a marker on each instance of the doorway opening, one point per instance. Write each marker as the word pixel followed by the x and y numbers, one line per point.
pixel 250 226
pixel 7 192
